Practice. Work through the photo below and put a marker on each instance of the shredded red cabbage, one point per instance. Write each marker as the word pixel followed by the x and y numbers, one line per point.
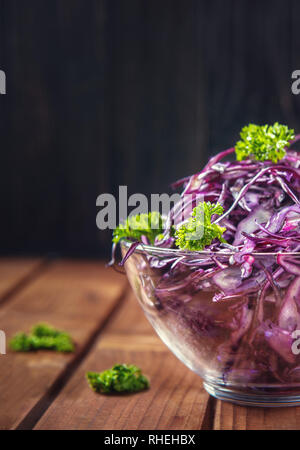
pixel 262 216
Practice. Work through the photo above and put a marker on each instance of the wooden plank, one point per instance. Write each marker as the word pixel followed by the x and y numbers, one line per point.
pixel 14 271
pixel 234 417
pixel 75 296
pixel 175 400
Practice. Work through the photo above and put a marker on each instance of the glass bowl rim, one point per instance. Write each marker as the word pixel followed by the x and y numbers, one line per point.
pixel 176 252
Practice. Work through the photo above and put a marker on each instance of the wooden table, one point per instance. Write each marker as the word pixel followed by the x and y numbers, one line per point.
pixel 46 390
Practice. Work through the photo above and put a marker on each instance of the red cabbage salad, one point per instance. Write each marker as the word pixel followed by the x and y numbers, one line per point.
pixel 246 250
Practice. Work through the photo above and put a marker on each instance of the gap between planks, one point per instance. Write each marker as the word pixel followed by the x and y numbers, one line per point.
pixel 23 279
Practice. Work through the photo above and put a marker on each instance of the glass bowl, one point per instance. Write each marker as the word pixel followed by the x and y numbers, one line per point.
pixel 239 335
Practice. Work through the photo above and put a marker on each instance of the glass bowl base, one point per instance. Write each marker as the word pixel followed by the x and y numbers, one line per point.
pixel 251 399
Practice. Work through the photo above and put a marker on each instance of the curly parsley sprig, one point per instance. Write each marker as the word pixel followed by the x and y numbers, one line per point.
pixel 199 232
pixel 44 337
pixel 120 378
pixel 134 227
pixel 264 142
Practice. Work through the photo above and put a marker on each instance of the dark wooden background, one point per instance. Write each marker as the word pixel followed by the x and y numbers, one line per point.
pixel 102 93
